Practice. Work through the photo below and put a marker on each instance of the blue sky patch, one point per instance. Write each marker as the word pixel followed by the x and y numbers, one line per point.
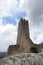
pixel 9 20
pixel 21 15
pixel 12 19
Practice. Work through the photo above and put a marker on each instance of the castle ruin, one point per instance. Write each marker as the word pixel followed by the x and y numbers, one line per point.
pixel 23 38
pixel 24 43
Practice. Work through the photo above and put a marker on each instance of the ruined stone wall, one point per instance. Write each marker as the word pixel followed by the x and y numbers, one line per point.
pixel 41 47
pixel 13 49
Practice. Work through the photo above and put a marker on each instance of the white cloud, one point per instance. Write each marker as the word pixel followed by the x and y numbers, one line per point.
pixel 34 9
pixel 8 36
pixel 8 32
pixel 6 7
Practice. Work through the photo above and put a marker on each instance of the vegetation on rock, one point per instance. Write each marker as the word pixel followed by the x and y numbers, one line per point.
pixel 34 49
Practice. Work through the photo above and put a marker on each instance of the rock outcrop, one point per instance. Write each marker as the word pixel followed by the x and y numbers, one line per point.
pixel 23 59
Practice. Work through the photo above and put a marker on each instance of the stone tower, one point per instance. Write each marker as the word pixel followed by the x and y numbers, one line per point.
pixel 23 30
pixel 23 38
pixel 24 42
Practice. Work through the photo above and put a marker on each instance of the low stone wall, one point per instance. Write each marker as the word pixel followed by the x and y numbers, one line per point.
pixel 13 48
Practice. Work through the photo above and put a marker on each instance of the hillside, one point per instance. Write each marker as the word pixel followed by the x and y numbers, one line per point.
pixel 23 59
pixel 3 54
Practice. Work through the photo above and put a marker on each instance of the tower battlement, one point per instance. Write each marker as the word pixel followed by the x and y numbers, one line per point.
pixel 23 21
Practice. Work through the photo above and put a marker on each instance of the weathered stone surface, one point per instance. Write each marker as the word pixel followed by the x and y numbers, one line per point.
pixel 23 59
pixel 12 48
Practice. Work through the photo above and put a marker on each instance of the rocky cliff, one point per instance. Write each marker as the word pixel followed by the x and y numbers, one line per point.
pixel 23 59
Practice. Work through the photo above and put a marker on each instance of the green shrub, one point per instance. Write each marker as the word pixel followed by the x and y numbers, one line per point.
pixel 34 49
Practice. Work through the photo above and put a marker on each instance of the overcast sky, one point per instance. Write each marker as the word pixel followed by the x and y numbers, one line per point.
pixel 10 13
